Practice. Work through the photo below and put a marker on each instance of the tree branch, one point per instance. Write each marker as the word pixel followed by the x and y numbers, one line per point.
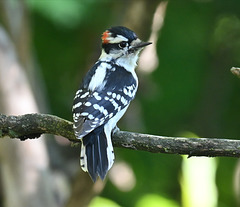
pixel 235 71
pixel 33 125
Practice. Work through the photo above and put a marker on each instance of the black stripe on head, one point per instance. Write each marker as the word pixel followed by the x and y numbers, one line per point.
pixel 119 30
pixel 109 46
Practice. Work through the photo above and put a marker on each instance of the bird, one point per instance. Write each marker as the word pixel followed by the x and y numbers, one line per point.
pixel 104 96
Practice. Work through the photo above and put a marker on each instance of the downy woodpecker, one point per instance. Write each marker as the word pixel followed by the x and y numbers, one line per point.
pixel 104 96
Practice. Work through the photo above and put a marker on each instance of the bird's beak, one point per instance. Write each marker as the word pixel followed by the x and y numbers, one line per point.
pixel 140 45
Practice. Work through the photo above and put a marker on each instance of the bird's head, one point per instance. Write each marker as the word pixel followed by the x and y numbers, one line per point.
pixel 121 43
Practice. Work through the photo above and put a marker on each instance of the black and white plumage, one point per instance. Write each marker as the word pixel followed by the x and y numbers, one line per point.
pixel 103 98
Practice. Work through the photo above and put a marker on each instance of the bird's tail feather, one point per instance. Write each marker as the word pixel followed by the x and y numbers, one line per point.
pixel 96 155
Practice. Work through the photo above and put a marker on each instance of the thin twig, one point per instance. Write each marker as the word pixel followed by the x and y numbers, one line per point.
pixel 235 71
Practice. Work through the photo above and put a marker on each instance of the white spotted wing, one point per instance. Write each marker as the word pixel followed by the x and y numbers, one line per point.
pixel 92 109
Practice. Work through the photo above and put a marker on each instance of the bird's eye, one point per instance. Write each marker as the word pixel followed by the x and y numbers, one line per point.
pixel 122 44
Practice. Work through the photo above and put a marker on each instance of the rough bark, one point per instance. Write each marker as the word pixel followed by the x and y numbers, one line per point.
pixel 33 125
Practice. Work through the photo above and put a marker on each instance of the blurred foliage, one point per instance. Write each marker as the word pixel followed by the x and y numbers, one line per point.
pixel 193 88
pixel 62 13
pixel 198 173
pixel 153 200
pixel 102 202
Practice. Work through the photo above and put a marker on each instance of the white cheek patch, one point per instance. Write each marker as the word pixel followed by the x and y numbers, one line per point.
pixel 104 56
pixel 117 39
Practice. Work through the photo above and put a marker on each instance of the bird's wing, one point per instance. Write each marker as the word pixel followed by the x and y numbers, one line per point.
pixel 93 109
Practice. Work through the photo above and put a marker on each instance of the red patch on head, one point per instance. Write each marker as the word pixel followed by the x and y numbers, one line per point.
pixel 105 35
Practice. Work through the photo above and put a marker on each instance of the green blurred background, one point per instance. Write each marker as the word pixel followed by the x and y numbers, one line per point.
pixel 189 91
